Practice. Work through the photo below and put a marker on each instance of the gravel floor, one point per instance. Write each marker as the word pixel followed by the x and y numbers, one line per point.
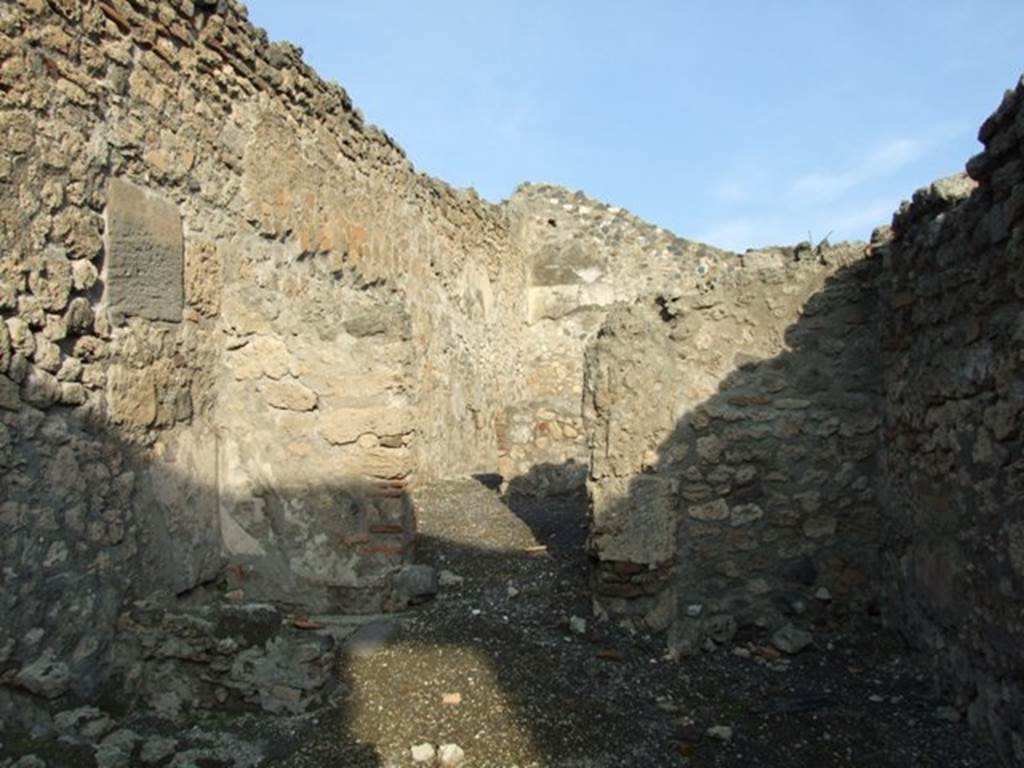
pixel 532 692
pixel 495 665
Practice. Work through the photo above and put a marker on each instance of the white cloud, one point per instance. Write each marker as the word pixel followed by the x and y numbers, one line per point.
pixel 885 159
pixel 756 209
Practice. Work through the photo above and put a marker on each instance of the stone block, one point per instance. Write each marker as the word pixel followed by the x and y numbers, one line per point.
pixel 347 425
pixel 40 388
pixel 145 253
pixel 204 278
pixel 10 397
pixel 289 396
pixel 716 510
pixel 262 356
pixel 50 280
pixel 635 521
pixel 131 394
pixel 46 676
pixel 414 584
pixel 378 461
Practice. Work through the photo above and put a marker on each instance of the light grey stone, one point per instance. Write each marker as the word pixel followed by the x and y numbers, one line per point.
pixel 40 388
pixel 50 280
pixel 449 580
pixel 711 511
pixel 720 732
pixel 89 723
pixel 789 639
pixel 745 514
pixel 46 676
pixel 423 753
pixel 415 584
pixel 84 274
pixel 450 755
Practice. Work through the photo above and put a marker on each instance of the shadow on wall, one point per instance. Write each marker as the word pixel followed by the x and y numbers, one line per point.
pixel 735 439
pixel 720 503
pixel 185 655
pixel 103 607
pixel 118 599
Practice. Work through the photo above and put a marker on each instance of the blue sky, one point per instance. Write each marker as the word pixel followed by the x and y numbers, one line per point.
pixel 737 123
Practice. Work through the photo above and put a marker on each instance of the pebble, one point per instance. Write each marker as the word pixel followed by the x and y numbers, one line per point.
pixel 743 653
pixel 947 713
pixel 823 594
pixel 666 704
pixel 450 755
pixel 720 732
pixel 423 753
pixel 415 583
pixel 578 625
pixel 791 640
pixel 449 579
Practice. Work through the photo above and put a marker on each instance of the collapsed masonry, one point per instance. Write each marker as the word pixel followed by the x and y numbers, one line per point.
pixel 239 328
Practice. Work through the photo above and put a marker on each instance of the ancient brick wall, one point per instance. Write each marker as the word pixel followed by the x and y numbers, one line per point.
pixel 953 534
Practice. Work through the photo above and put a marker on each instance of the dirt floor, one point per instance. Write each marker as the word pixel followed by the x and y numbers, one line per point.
pixel 533 692
pixel 496 665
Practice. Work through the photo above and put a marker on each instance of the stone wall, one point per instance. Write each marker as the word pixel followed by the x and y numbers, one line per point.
pixel 832 428
pixel 315 430
pixel 237 327
pixel 953 331
pixel 583 256
pixel 734 431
